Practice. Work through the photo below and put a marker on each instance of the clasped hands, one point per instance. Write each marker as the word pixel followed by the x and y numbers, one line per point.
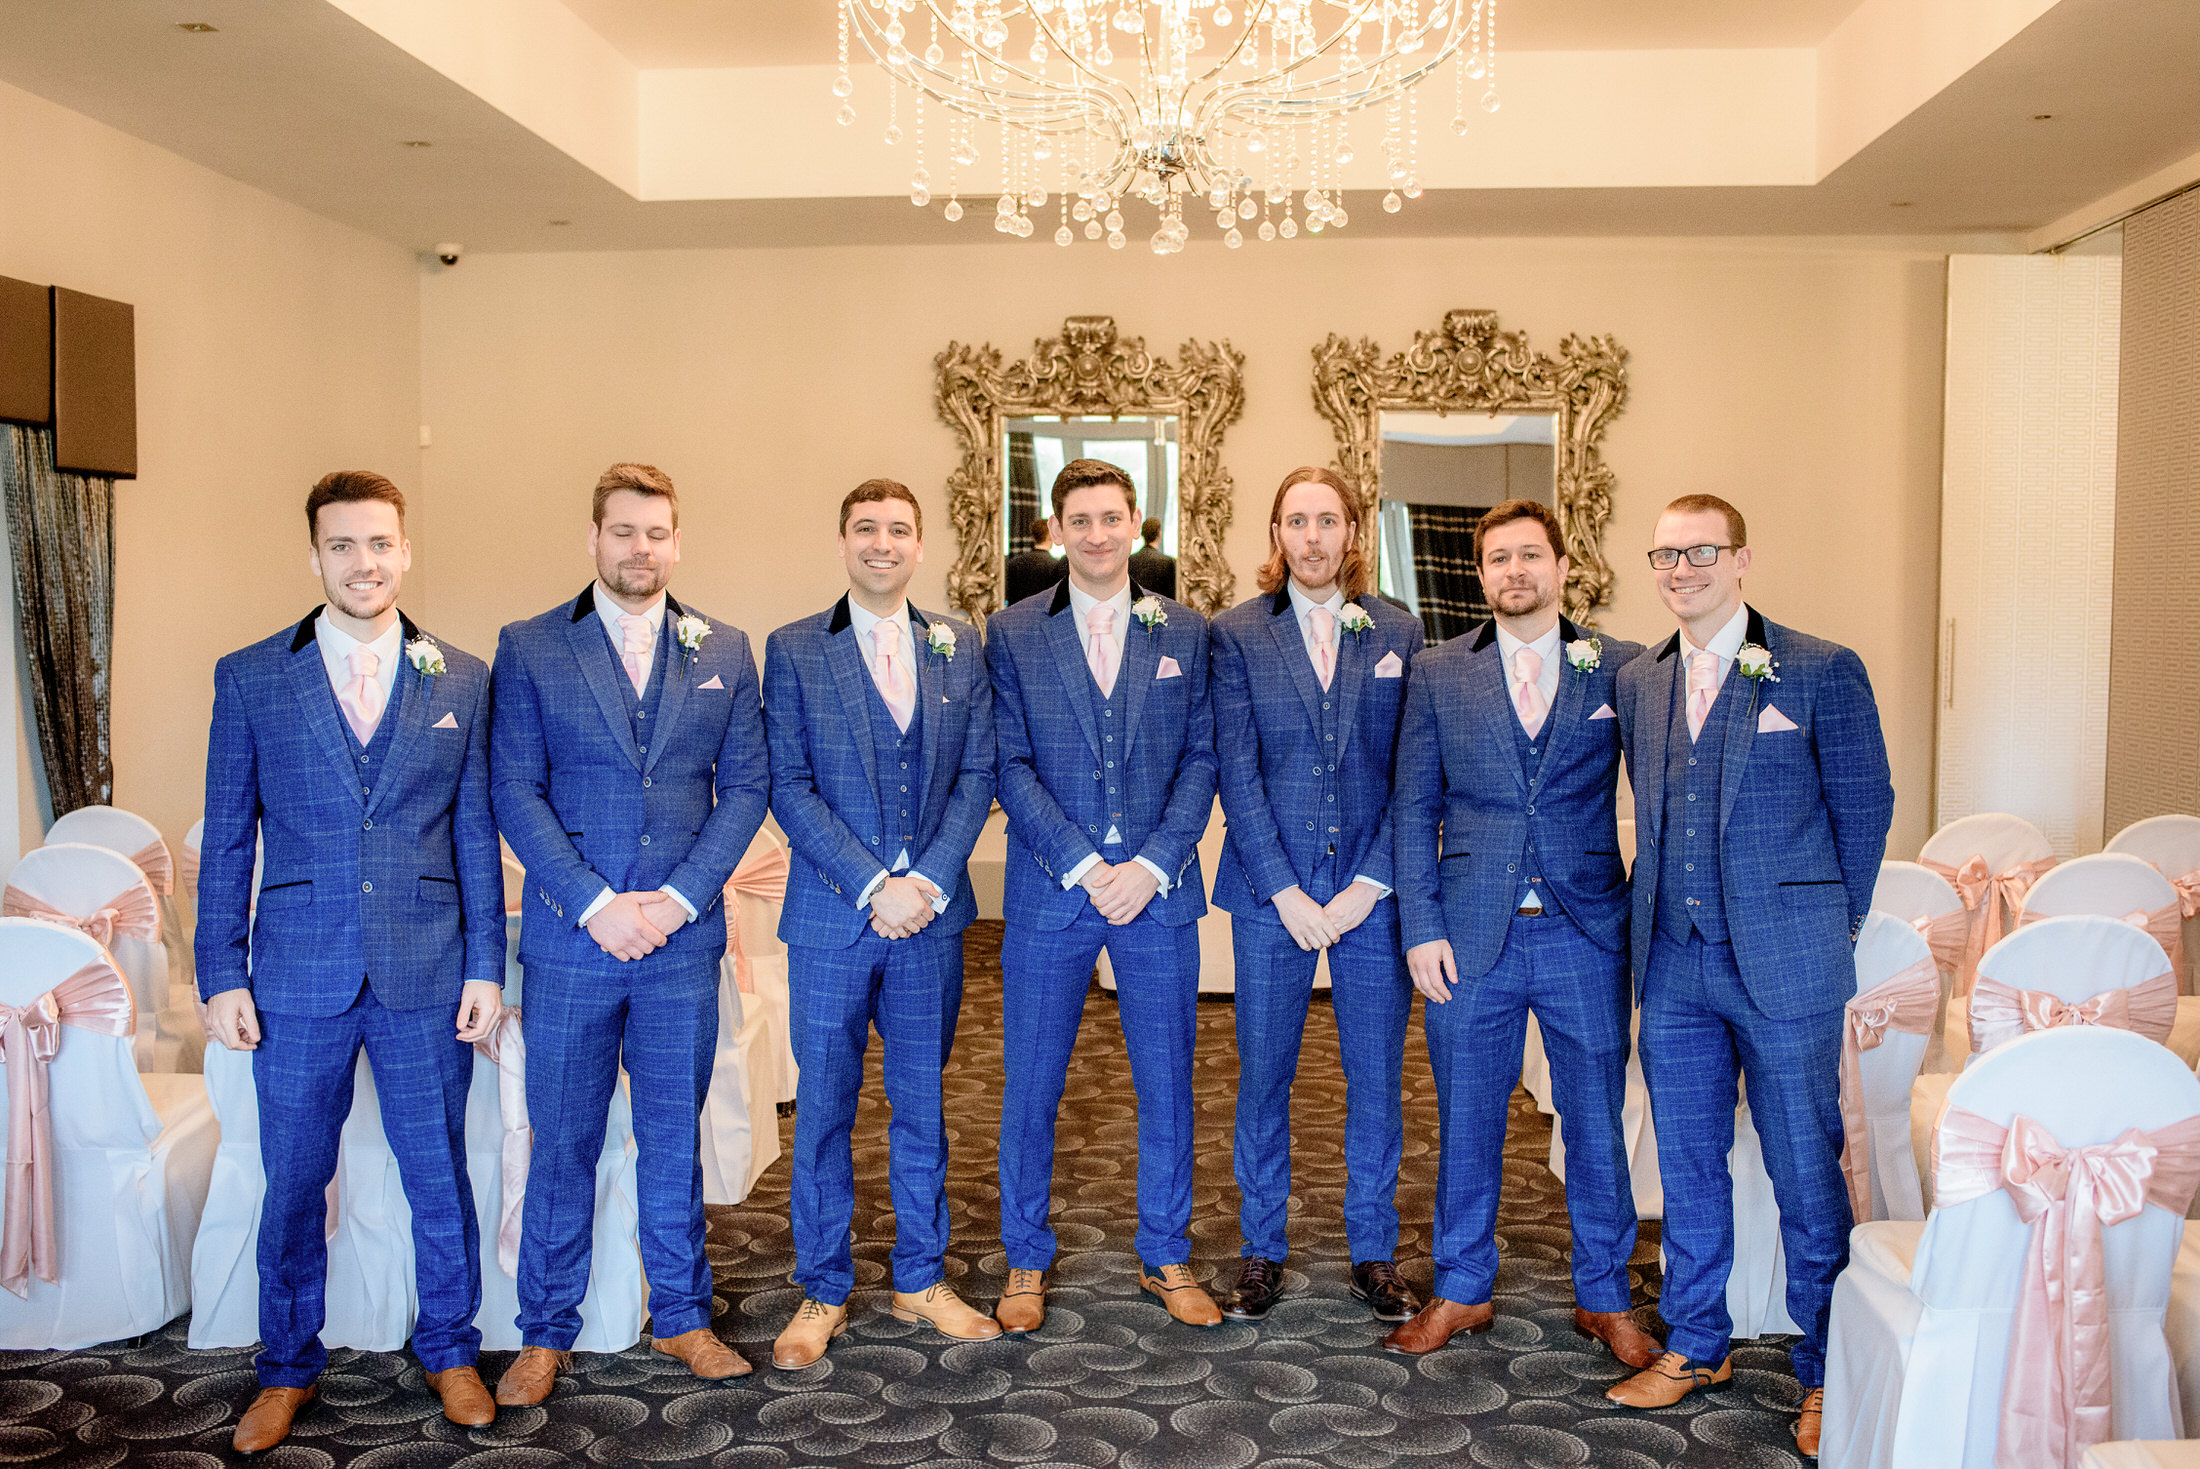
pixel 902 905
pixel 633 925
pixel 1315 925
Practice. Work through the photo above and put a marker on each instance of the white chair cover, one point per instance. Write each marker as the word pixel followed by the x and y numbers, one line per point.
pixel 130 1165
pixel 1922 1317
pixel 139 840
pixel 2172 844
pixel 2115 885
pixel 1991 858
pixel 1927 902
pixel 1887 949
pixel 755 1069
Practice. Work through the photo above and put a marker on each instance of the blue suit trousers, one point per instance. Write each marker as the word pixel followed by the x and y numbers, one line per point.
pixel 1699 1028
pixel 1578 995
pixel 304 1073
pixel 1045 976
pixel 662 1025
pixel 911 989
pixel 1372 997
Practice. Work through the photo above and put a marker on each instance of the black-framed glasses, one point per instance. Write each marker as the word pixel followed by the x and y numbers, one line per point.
pixel 1665 558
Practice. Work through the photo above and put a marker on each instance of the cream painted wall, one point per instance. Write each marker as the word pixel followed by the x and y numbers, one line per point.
pixel 1801 381
pixel 272 346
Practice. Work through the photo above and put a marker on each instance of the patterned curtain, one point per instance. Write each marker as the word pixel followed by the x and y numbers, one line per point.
pixel 1445 581
pixel 61 528
pixel 1023 492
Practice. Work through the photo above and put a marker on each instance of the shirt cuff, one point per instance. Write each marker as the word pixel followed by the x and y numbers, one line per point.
pixel 1381 892
pixel 1076 874
pixel 1159 876
pixel 678 897
pixel 596 907
pixel 870 889
pixel 939 894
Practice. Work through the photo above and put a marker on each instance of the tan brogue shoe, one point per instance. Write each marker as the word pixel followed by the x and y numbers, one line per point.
pixel 1633 1346
pixel 465 1401
pixel 267 1422
pixel 1809 1421
pixel 531 1376
pixel 1187 1301
pixel 706 1356
pixel 814 1326
pixel 947 1313
pixel 1669 1379
pixel 1437 1323
pixel 1023 1305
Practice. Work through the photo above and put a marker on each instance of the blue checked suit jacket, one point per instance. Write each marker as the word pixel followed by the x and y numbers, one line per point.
pixel 826 780
pixel 1268 742
pixel 1052 769
pixel 584 808
pixel 404 888
pixel 1803 814
pixel 1462 802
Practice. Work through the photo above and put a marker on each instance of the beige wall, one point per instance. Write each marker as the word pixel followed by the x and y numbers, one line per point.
pixel 1803 382
pixel 272 346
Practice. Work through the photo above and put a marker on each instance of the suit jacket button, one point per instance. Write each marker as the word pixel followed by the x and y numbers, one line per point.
pixel 645 782
pixel 645 841
pixel 366 826
pixel 366 887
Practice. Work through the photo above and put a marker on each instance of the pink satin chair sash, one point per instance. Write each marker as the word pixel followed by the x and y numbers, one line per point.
pixel 159 868
pixel 504 1048
pixel 132 913
pixel 2165 924
pixel 1909 1000
pixel 1990 898
pixel 2057 1398
pixel 1947 935
pixel 2001 1012
pixel 95 998
pixel 2188 891
pixel 187 870
pixel 763 875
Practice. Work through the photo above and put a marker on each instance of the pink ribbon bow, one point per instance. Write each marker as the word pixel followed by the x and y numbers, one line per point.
pixel 2188 892
pixel 159 868
pixel 505 1048
pixel 1907 1001
pixel 760 875
pixel 130 914
pixel 2165 924
pixel 2001 1012
pixel 95 998
pixel 1988 897
pixel 2057 1399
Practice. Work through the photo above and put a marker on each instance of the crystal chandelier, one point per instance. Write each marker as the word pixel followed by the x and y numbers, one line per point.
pixel 1241 106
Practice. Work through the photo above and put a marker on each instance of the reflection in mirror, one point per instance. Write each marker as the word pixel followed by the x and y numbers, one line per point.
pixel 1145 448
pixel 1439 473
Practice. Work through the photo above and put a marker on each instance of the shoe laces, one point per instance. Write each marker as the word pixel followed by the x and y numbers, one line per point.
pixel 812 1310
pixel 1020 1279
pixel 1175 1277
pixel 1382 1274
pixel 1259 1273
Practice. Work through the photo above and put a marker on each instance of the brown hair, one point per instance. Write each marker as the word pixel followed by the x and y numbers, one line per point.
pixel 1352 578
pixel 1513 510
pixel 1040 530
pixel 642 479
pixel 872 492
pixel 1083 474
pixel 1736 532
pixel 348 486
pixel 1150 532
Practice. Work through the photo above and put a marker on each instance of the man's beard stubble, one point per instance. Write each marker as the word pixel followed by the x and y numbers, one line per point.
pixel 636 581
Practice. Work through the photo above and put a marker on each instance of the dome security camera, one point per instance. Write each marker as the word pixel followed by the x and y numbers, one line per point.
pixel 450 253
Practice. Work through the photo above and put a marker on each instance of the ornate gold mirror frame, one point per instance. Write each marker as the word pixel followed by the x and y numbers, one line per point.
pixel 1469 366
pixel 1089 370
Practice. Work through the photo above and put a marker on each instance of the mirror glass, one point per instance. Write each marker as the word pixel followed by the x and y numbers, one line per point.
pixel 1439 473
pixel 1145 447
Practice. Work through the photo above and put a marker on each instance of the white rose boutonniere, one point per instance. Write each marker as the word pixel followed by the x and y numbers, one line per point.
pixel 689 633
pixel 940 638
pixel 1752 660
pixel 424 655
pixel 1585 654
pixel 1148 610
pixel 1353 618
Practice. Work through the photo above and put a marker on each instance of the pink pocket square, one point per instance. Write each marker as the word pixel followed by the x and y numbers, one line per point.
pixel 448 721
pixel 1392 666
pixel 1604 711
pixel 714 683
pixel 1167 669
pixel 1772 721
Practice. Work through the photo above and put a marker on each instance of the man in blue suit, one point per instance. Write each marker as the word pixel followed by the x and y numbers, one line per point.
pixel 881 727
pixel 629 775
pixel 1308 683
pixel 1107 773
pixel 1514 902
pixel 353 751
pixel 1762 801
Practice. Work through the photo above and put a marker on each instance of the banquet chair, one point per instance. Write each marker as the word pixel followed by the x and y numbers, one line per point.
pixel 2115 885
pixel 103 893
pixel 1991 859
pixel 2172 844
pixel 140 841
pixel 1946 1336
pixel 755 1068
pixel 1930 904
pixel 123 1159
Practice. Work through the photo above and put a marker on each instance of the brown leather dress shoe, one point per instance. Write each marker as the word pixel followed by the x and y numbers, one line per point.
pixel 267 1422
pixel 814 1326
pixel 1438 1322
pixel 531 1376
pixel 1633 1346
pixel 945 1312
pixel 465 1401
pixel 1173 1287
pixel 1809 1421
pixel 706 1356
pixel 1023 1305
pixel 1669 1379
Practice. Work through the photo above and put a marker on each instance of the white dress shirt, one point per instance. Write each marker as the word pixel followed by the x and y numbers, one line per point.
pixel 1081 603
pixel 1546 683
pixel 1302 607
pixel 861 621
pixel 609 613
pixel 336 646
pixel 1725 645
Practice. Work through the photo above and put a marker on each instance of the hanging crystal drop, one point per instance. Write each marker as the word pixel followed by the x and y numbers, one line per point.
pixel 1092 229
pixel 1235 238
pixel 1288 228
pixel 1062 236
pixel 1267 230
pixel 1247 208
pixel 846 116
pixel 1489 100
pixel 1117 240
pixel 843 85
pixel 953 211
pixel 1114 221
pixel 1392 203
pixel 892 135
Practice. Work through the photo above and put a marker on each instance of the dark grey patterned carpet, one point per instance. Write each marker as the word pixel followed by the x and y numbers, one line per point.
pixel 1110 1381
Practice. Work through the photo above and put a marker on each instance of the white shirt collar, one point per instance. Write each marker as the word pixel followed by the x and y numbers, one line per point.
pixel 336 646
pixel 1726 642
pixel 1302 604
pixel 610 612
pixel 862 620
pixel 1545 647
pixel 1081 602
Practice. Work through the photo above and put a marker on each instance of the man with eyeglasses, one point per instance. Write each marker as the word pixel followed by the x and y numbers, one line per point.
pixel 1762 801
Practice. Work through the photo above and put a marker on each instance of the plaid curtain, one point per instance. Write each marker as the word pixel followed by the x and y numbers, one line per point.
pixel 1023 492
pixel 1445 580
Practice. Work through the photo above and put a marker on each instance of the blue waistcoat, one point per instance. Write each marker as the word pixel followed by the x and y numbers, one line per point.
pixel 900 773
pixel 1690 890
pixel 372 756
pixel 641 709
pixel 1531 764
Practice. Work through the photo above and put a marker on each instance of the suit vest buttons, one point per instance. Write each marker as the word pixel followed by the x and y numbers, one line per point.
pixel 1531 810
pixel 645 840
pixel 366 887
pixel 366 826
pixel 645 782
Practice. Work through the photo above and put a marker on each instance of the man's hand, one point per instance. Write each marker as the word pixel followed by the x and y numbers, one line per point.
pixel 1130 888
pixel 901 906
pixel 232 1020
pixel 622 930
pixel 1308 923
pixel 667 914
pixel 1349 909
pixel 1431 966
pixel 479 1005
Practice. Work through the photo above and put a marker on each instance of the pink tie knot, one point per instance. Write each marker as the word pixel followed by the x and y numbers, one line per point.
pixel 364 662
pixel 892 672
pixel 1324 621
pixel 1100 655
pixel 1703 672
pixel 635 633
pixel 361 696
pixel 1528 690
pixel 1528 666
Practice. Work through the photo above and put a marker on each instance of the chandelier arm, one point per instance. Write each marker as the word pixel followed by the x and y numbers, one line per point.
pixel 1221 104
pixel 874 41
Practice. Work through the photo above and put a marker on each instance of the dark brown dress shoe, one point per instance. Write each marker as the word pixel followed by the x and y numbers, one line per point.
pixel 706 1356
pixel 531 1376
pixel 1669 1379
pixel 465 1401
pixel 1259 1287
pixel 1173 1287
pixel 1376 1282
pixel 1023 1306
pixel 1809 1421
pixel 1438 1322
pixel 267 1422
pixel 1633 1346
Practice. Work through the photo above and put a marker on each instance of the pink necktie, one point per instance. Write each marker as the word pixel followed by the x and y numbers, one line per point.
pixel 1528 690
pixel 1100 654
pixel 635 635
pixel 892 673
pixel 1703 688
pixel 1325 644
pixel 361 697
